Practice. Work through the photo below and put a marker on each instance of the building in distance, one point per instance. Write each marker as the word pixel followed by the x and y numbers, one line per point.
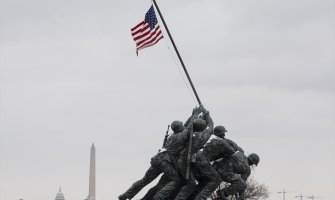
pixel 60 195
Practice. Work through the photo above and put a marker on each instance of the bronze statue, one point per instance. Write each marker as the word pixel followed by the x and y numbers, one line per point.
pixel 163 161
pixel 198 178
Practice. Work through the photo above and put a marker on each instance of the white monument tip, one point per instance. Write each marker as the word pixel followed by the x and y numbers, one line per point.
pixel 91 191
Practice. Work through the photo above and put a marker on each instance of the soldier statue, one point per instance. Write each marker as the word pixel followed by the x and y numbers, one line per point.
pixel 235 170
pixel 163 161
pixel 194 160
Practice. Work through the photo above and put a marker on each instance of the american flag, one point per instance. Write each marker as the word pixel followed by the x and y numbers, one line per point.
pixel 147 32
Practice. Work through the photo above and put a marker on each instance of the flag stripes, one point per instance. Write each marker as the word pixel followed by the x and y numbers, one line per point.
pixel 147 32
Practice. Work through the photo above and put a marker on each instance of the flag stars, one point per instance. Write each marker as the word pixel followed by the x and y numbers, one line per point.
pixel 150 18
pixel 147 32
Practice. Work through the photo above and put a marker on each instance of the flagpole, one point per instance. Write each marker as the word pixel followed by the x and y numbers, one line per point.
pixel 175 48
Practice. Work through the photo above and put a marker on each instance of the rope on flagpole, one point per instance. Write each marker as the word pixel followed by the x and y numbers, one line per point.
pixel 180 73
pixel 178 66
pixel 177 52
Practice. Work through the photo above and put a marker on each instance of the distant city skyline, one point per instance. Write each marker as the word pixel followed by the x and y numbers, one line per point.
pixel 92 187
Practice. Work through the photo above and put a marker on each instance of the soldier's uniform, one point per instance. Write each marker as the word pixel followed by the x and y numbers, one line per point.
pixel 199 165
pixel 214 149
pixel 234 145
pixel 220 131
pixel 163 162
pixel 160 163
pixel 161 183
pixel 234 170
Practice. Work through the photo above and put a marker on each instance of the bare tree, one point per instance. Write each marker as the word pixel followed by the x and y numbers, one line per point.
pixel 254 191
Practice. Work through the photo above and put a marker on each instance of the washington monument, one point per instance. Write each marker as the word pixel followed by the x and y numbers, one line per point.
pixel 91 190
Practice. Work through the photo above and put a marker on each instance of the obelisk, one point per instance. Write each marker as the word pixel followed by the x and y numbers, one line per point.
pixel 91 190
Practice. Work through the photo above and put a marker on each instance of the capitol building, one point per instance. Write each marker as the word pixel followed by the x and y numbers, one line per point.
pixel 91 192
pixel 60 195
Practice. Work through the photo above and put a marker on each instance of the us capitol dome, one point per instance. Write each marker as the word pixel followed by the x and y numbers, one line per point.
pixel 60 195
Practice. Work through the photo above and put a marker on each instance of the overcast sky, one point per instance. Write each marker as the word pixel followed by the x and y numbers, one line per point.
pixel 70 76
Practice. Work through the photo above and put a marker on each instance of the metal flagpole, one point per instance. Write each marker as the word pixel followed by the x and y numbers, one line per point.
pixel 175 48
pixel 191 83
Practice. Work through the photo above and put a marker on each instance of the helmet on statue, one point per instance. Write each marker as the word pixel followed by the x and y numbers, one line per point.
pixel 254 159
pixel 220 131
pixel 199 125
pixel 177 126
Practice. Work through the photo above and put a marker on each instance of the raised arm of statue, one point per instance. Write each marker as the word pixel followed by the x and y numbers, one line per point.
pixel 195 113
pixel 226 149
pixel 209 120
pixel 234 145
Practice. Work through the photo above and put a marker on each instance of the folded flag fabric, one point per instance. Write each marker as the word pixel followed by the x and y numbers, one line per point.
pixel 147 32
